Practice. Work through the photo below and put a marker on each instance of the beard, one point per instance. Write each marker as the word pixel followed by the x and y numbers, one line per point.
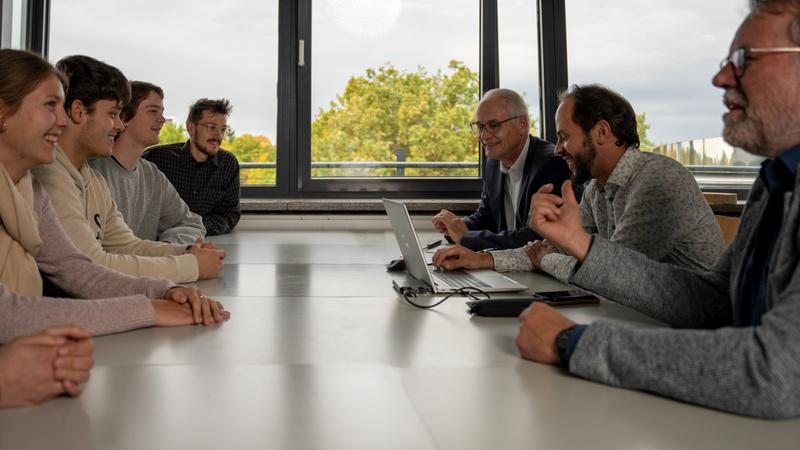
pixel 746 132
pixel 205 149
pixel 584 162
pixel 762 129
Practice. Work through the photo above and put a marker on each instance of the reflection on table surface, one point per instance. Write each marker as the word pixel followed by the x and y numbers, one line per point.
pixel 321 353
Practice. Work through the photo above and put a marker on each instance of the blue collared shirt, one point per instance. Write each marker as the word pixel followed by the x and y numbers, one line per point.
pixel 779 177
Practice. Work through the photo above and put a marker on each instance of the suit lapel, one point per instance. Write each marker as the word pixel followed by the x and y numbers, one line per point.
pixel 523 203
pixel 537 156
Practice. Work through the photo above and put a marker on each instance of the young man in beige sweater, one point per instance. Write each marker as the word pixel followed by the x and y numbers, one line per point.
pixel 81 197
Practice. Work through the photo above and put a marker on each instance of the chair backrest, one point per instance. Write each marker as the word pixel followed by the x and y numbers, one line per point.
pixel 720 198
pixel 729 227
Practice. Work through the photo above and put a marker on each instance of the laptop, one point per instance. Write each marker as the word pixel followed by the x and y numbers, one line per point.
pixel 441 282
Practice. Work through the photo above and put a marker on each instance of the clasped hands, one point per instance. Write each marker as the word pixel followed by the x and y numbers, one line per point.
pixel 209 258
pixel 36 368
pixel 201 245
pixel 187 306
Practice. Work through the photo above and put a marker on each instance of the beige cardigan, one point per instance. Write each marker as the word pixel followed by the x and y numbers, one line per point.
pixel 90 217
pixel 120 302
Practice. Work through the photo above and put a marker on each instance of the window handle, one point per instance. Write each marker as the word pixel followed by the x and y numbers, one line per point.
pixel 301 52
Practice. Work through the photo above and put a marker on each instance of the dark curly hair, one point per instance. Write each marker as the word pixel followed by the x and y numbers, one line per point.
pixel 222 106
pixel 594 103
pixel 91 80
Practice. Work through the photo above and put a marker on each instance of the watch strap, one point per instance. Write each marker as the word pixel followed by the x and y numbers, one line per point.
pixel 562 343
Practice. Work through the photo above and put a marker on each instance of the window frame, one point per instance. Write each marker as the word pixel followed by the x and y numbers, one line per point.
pixel 305 186
pixel 293 137
pixel 37 31
pixel 34 30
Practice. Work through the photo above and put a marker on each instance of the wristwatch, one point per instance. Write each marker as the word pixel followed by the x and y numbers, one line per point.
pixel 562 340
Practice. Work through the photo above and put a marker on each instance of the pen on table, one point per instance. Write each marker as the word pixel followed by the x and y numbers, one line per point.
pixel 432 245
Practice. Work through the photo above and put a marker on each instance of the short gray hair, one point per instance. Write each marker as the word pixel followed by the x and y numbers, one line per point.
pixel 774 6
pixel 780 7
pixel 514 102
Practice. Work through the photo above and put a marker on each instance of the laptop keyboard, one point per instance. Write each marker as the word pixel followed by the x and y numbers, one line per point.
pixel 460 279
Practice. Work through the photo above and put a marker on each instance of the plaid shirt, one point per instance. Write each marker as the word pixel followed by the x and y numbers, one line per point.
pixel 210 188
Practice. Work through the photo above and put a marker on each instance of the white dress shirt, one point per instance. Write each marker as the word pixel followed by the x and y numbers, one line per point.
pixel 511 188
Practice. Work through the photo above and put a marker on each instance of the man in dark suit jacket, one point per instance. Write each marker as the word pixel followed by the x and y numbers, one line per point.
pixel 517 165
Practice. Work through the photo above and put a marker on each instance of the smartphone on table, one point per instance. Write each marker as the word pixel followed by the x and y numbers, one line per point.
pixel 513 306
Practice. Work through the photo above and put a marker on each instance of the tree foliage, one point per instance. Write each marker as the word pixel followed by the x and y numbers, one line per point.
pixel 247 148
pixel 253 148
pixel 172 133
pixel 387 115
pixel 642 127
pixel 388 112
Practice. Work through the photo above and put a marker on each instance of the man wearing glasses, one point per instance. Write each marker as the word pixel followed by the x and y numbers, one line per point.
pixel 517 165
pixel 205 175
pixel 641 200
pixel 734 344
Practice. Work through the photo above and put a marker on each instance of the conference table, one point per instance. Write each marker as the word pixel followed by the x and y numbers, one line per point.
pixel 321 353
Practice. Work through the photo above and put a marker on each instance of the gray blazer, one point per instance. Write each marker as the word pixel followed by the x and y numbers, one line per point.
pixel 705 360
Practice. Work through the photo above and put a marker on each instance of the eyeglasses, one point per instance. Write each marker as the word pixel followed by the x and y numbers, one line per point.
pixel 213 128
pixel 491 126
pixel 740 57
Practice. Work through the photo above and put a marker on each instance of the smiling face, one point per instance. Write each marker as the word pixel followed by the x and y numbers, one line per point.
pixel 99 129
pixel 146 124
pixel 506 143
pixel 575 146
pixel 32 132
pixel 764 103
pixel 203 139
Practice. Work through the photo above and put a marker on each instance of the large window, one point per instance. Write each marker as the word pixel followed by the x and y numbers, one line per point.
pixel 370 98
pixel 518 44
pixel 331 97
pixel 662 56
pixel 192 49
pixel 394 84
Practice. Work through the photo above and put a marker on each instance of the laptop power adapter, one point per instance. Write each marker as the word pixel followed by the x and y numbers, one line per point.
pixel 411 286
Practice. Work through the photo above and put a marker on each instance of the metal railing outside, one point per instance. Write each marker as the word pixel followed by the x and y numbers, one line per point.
pixel 741 170
pixel 398 166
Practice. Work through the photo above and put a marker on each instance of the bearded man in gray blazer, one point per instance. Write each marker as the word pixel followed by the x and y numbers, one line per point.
pixel 734 344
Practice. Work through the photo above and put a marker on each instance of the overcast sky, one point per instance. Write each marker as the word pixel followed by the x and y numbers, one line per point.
pixel 661 55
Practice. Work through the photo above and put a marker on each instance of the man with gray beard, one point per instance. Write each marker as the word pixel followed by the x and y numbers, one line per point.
pixel 734 341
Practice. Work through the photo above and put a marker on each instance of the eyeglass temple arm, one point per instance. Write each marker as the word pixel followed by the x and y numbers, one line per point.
pixel 775 50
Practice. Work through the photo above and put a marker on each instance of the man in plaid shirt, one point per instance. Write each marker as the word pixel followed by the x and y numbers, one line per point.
pixel 205 175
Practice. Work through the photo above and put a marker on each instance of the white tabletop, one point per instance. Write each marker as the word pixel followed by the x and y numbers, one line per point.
pixel 322 354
